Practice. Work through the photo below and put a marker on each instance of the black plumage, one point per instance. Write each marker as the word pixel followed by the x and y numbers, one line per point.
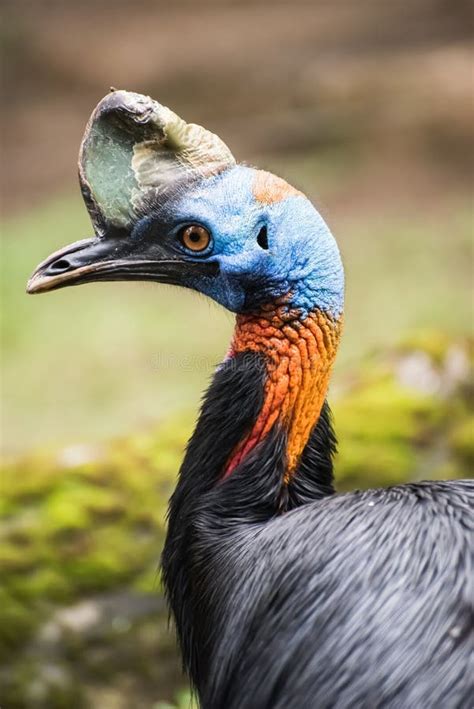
pixel 313 599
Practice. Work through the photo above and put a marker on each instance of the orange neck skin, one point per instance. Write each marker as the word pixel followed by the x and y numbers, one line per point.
pixel 299 354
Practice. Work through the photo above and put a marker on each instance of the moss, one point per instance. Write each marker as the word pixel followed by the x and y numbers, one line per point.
pixel 391 432
pixel 385 411
pixel 112 556
pixel 29 479
pixel 149 580
pixel 36 686
pixel 79 527
pixel 462 442
pixel 12 560
pixel 183 700
pixel 381 463
pixel 18 621
pixel 381 427
pixel 43 584
pixel 65 510
pixel 434 343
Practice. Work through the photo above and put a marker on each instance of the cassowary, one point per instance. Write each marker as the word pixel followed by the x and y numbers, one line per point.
pixel 285 594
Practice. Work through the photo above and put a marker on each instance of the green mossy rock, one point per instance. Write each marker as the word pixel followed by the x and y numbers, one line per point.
pixel 82 619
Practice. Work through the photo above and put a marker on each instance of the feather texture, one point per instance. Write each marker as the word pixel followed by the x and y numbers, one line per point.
pixel 290 597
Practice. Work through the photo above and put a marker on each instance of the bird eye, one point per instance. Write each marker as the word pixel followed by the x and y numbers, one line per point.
pixel 195 237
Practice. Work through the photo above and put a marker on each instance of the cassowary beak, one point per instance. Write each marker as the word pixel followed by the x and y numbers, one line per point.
pixel 112 259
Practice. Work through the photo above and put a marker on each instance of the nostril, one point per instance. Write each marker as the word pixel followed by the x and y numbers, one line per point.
pixel 262 238
pixel 60 266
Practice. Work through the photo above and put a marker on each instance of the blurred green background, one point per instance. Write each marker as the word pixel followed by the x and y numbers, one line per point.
pixel 367 107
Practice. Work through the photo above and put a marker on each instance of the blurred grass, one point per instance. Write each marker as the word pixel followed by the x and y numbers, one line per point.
pixel 87 363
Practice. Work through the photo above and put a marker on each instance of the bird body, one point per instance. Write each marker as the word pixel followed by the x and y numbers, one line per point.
pixel 353 600
pixel 284 593
pixel 344 610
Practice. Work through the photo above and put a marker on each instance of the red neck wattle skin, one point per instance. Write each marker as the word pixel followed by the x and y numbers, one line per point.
pixel 299 354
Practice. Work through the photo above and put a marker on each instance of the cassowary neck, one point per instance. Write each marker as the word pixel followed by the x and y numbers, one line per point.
pixel 263 445
pixel 298 354
pixel 264 433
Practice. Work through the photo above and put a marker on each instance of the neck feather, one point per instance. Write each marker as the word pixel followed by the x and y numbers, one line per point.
pixel 298 354
pixel 264 426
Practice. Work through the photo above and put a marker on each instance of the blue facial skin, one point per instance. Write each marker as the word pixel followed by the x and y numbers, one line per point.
pixel 302 258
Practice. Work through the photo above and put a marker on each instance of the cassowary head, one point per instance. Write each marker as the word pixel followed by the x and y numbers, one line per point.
pixel 169 204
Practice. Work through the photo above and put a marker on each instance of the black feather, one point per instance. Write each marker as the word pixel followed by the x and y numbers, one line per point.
pixel 356 600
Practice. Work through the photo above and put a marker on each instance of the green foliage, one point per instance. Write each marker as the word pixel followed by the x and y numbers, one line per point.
pixel 406 417
pixel 84 523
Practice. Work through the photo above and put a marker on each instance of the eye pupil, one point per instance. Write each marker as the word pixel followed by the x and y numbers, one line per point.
pixel 195 237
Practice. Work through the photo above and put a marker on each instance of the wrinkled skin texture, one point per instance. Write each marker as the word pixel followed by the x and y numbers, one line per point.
pixel 299 354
